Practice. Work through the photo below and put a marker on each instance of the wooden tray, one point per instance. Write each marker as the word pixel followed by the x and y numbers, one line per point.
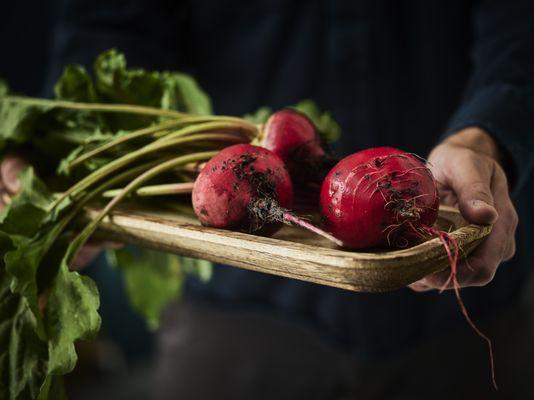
pixel 293 252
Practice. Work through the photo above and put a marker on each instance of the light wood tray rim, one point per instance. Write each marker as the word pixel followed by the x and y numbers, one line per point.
pixel 353 270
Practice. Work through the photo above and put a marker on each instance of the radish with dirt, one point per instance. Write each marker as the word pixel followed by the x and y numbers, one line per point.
pixel 247 188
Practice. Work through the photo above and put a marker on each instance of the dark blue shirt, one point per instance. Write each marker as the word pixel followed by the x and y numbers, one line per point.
pixel 401 73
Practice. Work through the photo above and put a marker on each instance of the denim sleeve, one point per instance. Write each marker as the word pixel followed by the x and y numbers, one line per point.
pixel 499 97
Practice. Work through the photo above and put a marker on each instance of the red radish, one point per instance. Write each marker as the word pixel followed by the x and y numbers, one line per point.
pixel 387 197
pixel 292 136
pixel 379 197
pixel 246 188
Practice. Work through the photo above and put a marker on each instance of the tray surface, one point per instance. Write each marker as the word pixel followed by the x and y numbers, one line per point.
pixel 293 252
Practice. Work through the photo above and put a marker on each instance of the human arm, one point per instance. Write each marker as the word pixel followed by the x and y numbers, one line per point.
pixel 488 150
pixel 470 176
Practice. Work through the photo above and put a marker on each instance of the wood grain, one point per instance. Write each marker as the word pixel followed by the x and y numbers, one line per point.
pixel 292 252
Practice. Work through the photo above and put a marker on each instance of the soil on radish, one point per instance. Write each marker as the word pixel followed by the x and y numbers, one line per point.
pixel 243 188
pixel 247 188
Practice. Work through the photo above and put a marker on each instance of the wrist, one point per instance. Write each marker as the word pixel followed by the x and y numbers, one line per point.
pixel 476 139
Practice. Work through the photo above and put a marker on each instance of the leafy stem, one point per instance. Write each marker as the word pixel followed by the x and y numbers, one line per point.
pixel 133 156
pixel 134 184
pixel 205 124
pixel 103 107
pixel 156 190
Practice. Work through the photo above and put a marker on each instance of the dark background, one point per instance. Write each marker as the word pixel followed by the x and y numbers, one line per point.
pixel 24 44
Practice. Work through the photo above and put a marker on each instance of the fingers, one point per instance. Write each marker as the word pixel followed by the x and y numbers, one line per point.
pixel 467 171
pixel 431 282
pixel 9 171
pixel 85 256
pixel 469 176
pixel 91 250
pixel 471 183
pixel 480 268
pixel 106 244
pixel 419 287
pixel 440 280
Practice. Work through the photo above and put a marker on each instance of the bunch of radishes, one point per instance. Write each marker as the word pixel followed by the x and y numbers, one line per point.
pixel 373 198
pixel 376 197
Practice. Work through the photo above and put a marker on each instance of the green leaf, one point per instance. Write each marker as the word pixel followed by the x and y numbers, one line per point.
pixel 53 388
pixel 23 354
pixel 4 88
pixel 115 83
pixel 327 127
pixel 71 315
pixel 34 254
pixel 18 121
pixel 87 140
pixel 54 130
pixel 185 94
pixel 28 209
pixel 152 280
pixel 27 222
pixel 75 84
pixel 201 268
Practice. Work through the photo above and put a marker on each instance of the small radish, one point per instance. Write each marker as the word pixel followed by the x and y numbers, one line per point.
pixel 293 137
pixel 387 197
pixel 246 188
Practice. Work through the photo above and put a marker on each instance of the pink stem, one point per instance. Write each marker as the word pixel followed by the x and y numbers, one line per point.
pixel 288 217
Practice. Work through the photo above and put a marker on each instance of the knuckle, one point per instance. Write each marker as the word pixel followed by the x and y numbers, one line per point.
pixel 481 271
pixel 511 219
pixel 499 173
pixel 510 251
pixel 515 218
pixel 468 155
pixel 478 162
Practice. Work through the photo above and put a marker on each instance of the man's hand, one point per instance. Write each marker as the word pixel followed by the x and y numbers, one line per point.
pixel 466 166
pixel 9 181
pixel 10 167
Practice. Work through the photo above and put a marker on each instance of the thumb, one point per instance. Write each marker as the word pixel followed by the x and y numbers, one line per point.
pixel 9 171
pixel 475 200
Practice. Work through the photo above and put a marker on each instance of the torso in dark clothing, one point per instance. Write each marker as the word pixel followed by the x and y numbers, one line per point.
pixel 392 73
